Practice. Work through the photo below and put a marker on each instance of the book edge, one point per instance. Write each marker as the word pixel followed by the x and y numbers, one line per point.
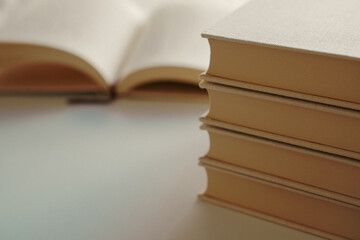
pixel 208 35
pixel 268 218
pixel 281 92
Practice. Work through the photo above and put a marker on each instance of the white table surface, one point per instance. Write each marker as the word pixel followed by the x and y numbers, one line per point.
pixel 125 170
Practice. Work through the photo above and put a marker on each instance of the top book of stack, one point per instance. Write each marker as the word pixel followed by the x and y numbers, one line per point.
pixel 304 49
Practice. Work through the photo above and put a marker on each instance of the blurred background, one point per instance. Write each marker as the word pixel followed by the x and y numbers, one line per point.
pixel 125 169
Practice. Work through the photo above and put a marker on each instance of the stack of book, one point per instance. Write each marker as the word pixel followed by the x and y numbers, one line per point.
pixel 284 117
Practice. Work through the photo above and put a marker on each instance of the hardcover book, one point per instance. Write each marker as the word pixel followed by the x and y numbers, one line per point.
pixel 312 125
pixel 305 46
pixel 338 176
pixel 282 204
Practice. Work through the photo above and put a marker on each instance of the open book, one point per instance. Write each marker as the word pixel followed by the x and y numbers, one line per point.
pixel 88 46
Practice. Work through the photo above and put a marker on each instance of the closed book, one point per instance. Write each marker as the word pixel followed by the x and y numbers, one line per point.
pixel 329 175
pixel 282 204
pixel 305 46
pixel 303 123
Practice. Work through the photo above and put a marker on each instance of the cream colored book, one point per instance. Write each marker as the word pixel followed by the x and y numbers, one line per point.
pixel 303 123
pixel 91 46
pixel 281 204
pixel 325 174
pixel 305 46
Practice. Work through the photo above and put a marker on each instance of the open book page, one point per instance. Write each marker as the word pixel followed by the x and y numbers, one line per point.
pixel 98 32
pixel 227 6
pixel 170 47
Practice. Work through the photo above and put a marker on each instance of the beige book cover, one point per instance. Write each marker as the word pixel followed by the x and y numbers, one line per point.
pixel 282 204
pixel 333 176
pixel 303 123
pixel 280 92
pixel 306 46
